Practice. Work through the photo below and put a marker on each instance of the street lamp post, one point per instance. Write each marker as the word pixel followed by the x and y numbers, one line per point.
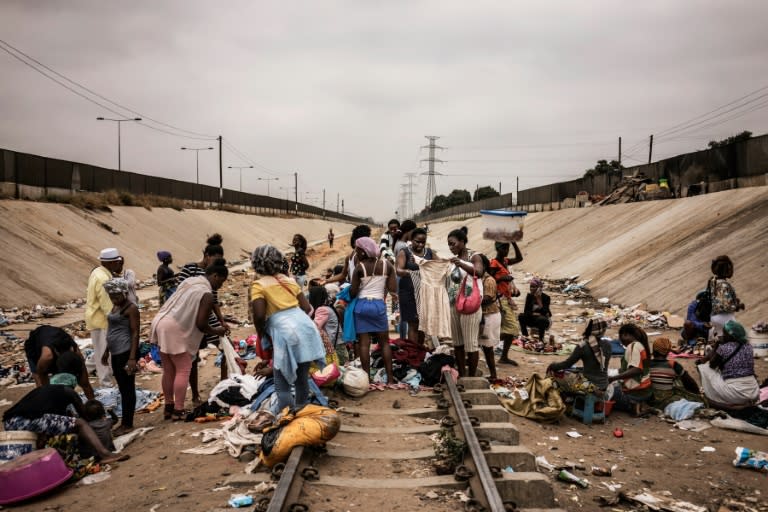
pixel 119 122
pixel 240 168
pixel 268 180
pixel 197 161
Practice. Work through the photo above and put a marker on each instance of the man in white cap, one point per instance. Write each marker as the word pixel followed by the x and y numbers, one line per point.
pixel 97 307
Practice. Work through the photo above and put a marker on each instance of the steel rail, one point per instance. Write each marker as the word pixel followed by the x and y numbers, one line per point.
pixel 482 483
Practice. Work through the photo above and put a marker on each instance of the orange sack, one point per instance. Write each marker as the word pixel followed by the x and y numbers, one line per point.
pixel 313 425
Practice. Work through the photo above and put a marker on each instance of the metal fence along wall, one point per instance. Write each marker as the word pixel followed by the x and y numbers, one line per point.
pixel 33 176
pixel 737 160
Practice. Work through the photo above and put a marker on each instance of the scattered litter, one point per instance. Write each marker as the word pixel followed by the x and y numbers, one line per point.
pixel 598 471
pixel 752 459
pixel 567 476
pixel 655 502
pixel 573 434
pixel 240 500
pixel 508 469
pixel 222 488
pixel 95 478
pixel 617 432
pixel 432 495
pixel 682 409
pixel 740 425
pixel 612 486
pixel 554 438
pixel 5 402
pixel 154 507
pixel 541 462
pixel 693 425
pixel 707 449
pixel 603 300
pixel 124 440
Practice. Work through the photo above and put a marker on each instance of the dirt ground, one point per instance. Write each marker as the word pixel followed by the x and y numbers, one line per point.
pixel 652 454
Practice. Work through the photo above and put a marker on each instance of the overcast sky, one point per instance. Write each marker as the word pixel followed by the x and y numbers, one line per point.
pixel 343 92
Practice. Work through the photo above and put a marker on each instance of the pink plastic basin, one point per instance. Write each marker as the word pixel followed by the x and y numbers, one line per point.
pixel 32 474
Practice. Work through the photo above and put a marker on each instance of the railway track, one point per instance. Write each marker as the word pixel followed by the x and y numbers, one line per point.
pixel 382 458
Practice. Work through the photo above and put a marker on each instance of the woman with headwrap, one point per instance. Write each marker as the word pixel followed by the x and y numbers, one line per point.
pixel 327 321
pixel 123 347
pixel 350 262
pixel 178 328
pixel 536 313
pixel 669 380
pixel 725 303
pixel 372 279
pixel 280 314
pixel 166 279
pixel 505 287
pixel 728 372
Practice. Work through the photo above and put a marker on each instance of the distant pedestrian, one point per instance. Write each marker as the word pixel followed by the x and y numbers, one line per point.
pixel 166 278
pixel 98 306
pixel 331 236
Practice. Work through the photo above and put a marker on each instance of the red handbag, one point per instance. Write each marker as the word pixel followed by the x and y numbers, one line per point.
pixel 468 305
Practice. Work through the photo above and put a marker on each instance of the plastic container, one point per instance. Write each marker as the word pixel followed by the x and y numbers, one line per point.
pixel 32 474
pixel 15 443
pixel 759 342
pixel 503 225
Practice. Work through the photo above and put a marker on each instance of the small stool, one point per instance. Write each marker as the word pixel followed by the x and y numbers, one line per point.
pixel 589 408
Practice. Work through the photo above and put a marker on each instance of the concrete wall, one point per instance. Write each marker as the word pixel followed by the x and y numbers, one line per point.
pixel 742 164
pixel 25 176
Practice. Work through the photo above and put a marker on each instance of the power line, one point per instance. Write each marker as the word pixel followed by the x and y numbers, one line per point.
pixel 5 47
pixel 665 132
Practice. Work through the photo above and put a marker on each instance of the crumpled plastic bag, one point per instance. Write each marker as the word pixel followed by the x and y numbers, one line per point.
pixel 682 409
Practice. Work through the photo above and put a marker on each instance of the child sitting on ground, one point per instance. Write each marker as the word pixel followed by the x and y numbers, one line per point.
pixel 96 417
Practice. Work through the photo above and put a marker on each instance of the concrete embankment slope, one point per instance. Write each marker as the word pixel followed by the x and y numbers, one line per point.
pixel 48 250
pixel 655 252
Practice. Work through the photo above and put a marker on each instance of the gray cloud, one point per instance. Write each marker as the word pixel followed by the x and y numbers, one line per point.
pixel 343 92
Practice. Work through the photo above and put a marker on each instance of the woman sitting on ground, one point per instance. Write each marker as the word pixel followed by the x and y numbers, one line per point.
pixel 728 372
pixel 635 373
pixel 536 313
pixel 595 354
pixel 669 380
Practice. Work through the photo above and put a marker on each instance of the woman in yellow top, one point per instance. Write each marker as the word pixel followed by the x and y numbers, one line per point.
pixel 281 315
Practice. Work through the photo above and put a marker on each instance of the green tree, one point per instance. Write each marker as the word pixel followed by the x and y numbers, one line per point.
pixel 484 193
pixel 604 167
pixel 730 140
pixel 439 202
pixel 459 197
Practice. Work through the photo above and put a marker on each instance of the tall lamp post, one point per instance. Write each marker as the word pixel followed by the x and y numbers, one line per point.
pixel 240 168
pixel 197 160
pixel 268 180
pixel 119 122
